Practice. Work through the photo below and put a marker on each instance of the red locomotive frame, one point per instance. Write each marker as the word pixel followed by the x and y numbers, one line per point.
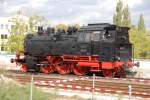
pixel 79 65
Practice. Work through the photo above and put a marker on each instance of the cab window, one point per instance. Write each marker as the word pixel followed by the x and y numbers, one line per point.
pixel 84 37
pixel 95 37
pixel 87 37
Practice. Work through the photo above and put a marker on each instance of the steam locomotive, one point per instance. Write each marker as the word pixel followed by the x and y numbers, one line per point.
pixel 100 48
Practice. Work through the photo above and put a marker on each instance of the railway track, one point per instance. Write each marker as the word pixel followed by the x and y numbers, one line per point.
pixel 140 87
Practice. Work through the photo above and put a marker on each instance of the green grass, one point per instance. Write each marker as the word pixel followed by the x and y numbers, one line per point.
pixel 2 71
pixel 11 91
pixel 14 91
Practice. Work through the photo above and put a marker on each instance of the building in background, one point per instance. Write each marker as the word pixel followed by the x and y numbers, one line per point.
pixel 8 23
pixel 5 30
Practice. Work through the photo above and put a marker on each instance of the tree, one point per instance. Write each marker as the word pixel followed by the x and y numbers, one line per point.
pixel 122 15
pixel 141 24
pixel 77 26
pixel 141 48
pixel 17 34
pixel 34 20
pixel 61 26
pixel 117 18
pixel 126 21
pixel 122 18
pixel 19 30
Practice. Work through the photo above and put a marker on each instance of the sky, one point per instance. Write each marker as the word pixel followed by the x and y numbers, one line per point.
pixel 76 11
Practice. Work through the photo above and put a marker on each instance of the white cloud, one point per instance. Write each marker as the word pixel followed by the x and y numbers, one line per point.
pixel 39 1
pixel 132 3
pixel 75 11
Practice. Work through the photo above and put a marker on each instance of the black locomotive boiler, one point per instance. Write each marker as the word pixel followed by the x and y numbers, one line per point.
pixel 96 48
